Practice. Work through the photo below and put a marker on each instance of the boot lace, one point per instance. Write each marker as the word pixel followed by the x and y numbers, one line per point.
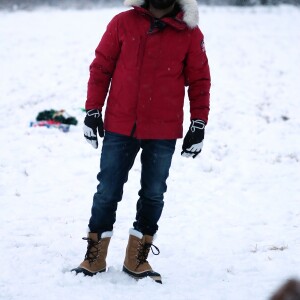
pixel 143 252
pixel 93 250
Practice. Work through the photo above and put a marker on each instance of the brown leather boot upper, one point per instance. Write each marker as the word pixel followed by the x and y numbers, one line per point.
pixel 95 258
pixel 135 263
pixel 137 252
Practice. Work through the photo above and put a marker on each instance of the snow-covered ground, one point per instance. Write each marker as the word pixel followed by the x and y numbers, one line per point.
pixel 231 224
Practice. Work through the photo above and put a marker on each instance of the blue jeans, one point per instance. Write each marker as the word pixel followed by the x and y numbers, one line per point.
pixel 117 158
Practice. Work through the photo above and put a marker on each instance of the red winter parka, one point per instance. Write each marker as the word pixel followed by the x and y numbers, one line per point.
pixel 145 63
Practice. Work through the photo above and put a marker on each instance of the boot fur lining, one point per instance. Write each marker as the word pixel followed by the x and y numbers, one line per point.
pixel 106 234
pixel 138 234
pixel 135 233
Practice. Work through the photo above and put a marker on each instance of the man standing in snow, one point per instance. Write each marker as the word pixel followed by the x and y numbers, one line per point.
pixel 145 59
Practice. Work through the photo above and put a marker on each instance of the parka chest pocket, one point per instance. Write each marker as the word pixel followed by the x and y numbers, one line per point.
pixel 172 56
pixel 131 51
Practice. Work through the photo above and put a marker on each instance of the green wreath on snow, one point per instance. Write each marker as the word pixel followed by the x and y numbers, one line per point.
pixel 56 115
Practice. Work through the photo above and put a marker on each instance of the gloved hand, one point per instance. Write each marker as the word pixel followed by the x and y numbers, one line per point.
pixel 193 141
pixel 92 122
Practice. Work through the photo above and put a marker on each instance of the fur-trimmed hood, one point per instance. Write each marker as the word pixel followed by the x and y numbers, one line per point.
pixel 189 8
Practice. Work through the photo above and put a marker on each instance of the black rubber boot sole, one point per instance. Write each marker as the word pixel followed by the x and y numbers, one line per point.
pixel 86 272
pixel 153 275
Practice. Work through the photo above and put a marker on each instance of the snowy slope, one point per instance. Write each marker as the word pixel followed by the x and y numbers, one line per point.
pixel 230 228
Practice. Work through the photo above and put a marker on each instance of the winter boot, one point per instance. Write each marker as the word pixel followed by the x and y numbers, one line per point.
pixel 94 261
pixel 136 264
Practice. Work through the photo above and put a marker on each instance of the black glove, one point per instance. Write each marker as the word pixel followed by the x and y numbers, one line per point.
pixel 193 141
pixel 92 122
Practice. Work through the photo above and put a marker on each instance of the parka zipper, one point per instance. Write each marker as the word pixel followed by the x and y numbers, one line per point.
pixel 155 26
pixel 133 130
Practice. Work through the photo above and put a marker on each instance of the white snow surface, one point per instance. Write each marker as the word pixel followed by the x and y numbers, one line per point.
pixel 231 223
